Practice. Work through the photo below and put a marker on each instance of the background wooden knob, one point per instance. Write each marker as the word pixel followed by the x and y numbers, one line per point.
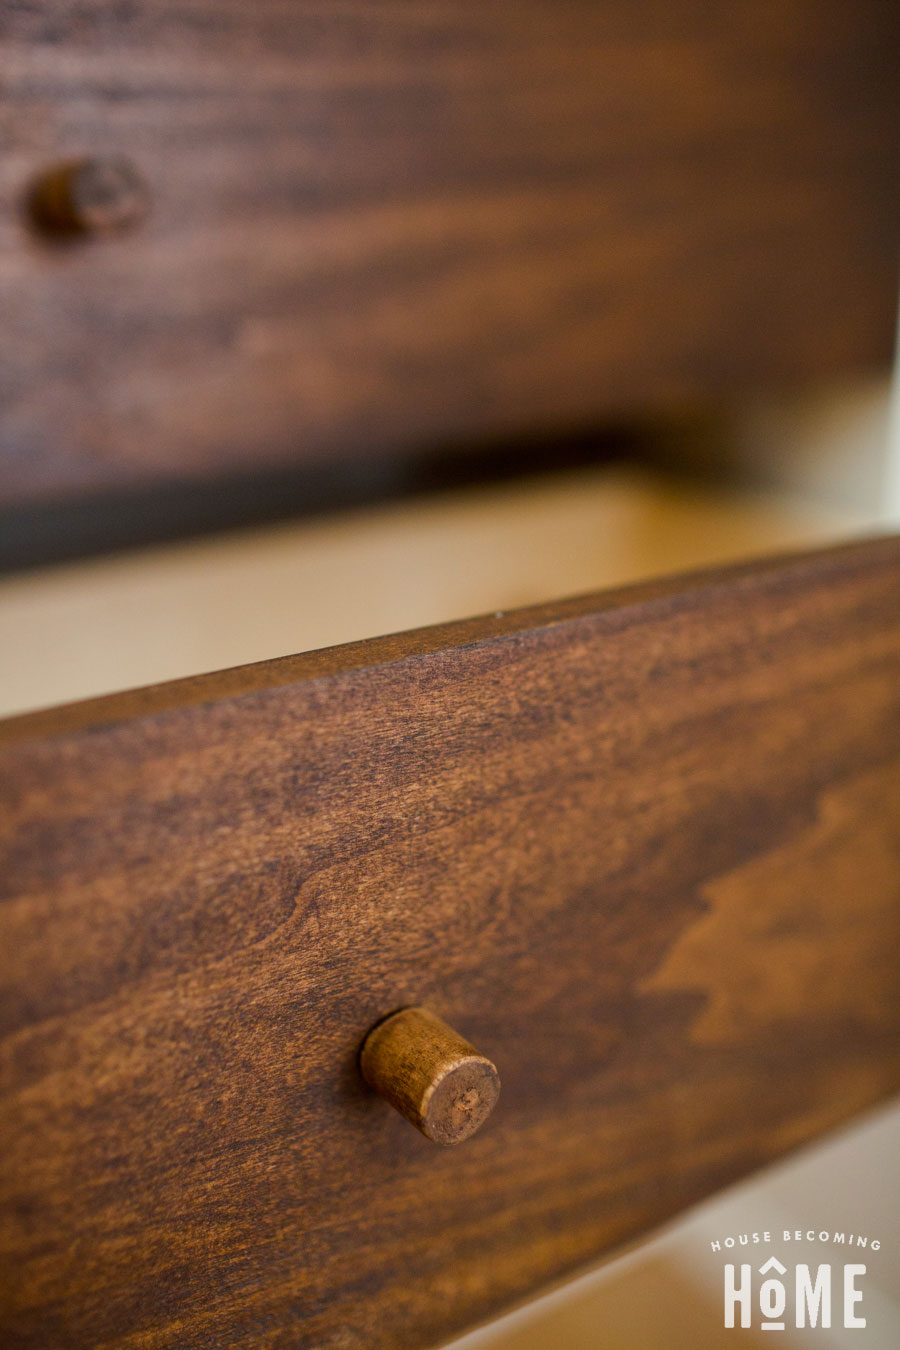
pixel 430 1074
pixel 89 196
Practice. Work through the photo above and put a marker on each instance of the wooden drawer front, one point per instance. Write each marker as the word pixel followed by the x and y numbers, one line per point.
pixel 640 848
pixel 387 226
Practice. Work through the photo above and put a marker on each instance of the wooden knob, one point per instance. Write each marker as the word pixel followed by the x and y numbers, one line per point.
pixel 430 1074
pixel 89 196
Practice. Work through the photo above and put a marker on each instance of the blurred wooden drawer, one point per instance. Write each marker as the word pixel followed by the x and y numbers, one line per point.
pixel 385 228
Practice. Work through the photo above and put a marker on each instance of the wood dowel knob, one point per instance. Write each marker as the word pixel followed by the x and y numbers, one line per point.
pixel 89 197
pixel 433 1077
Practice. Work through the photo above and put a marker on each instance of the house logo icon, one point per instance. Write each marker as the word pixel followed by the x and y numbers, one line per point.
pixel 806 1296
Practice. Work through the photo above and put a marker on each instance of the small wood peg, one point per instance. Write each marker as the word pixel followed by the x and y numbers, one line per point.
pixel 430 1074
pixel 89 197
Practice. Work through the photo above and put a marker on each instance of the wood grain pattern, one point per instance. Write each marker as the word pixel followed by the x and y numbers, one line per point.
pixel 641 849
pixel 385 225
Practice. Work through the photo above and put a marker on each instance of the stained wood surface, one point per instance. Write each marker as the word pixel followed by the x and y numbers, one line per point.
pixel 640 849
pixel 396 224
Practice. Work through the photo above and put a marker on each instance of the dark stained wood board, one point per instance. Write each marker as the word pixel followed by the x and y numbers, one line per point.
pixel 642 849
pixel 394 225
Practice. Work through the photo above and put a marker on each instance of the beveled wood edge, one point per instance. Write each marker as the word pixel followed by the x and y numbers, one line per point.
pixel 95 714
